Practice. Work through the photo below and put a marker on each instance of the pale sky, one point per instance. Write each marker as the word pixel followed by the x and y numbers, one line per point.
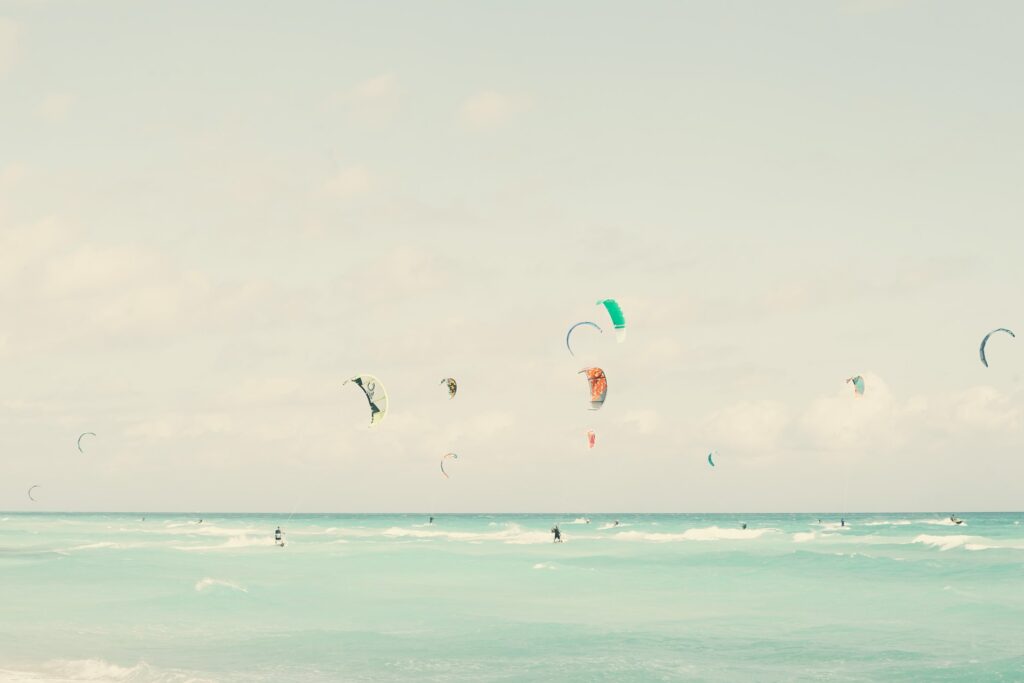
pixel 212 214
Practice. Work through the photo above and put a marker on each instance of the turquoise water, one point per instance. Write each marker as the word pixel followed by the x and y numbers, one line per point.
pixel 893 597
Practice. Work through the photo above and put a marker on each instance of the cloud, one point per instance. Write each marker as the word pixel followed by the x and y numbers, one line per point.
pixel 753 426
pixel 350 182
pixel 9 33
pixel 489 109
pixel 56 106
pixel 377 89
pixel 643 421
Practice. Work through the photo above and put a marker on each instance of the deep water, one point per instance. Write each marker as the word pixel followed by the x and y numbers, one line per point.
pixel 891 597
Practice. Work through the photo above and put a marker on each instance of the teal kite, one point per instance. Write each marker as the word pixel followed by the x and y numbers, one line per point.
pixel 858 384
pixel 618 320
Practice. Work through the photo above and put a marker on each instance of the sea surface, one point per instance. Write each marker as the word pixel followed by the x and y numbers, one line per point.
pixel 890 597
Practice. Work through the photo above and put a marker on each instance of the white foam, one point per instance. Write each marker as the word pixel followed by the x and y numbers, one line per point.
pixel 945 521
pixel 206 582
pixel 804 536
pixel 898 522
pixel 943 542
pixel 103 544
pixel 512 533
pixel 612 526
pixel 580 520
pixel 76 670
pixel 240 541
pixel 544 565
pixel 711 533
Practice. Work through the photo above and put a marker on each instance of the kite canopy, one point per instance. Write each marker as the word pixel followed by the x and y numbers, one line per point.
pixel 34 486
pixel 618 320
pixel 591 437
pixel 598 386
pixel 453 386
pixel 569 333
pixel 80 439
pixel 981 351
pixel 858 384
pixel 447 456
pixel 376 396
pixel 710 461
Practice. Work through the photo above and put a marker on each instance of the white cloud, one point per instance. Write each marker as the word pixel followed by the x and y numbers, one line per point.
pixel 375 90
pixel 490 109
pixel 984 409
pixel 350 182
pixel 643 421
pixel 9 31
pixel 752 426
pixel 56 106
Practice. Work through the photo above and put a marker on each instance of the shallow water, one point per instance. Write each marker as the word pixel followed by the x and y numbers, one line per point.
pixel 895 597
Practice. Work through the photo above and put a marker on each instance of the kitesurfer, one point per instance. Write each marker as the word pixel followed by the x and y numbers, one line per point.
pixel 277 537
pixel 842 522
pixel 744 525
pixel 558 534
pixel 953 519
pixel 431 521
pixel 616 523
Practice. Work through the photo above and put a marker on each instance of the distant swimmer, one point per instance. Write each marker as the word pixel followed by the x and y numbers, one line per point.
pixel 431 521
pixel 558 534
pixel 586 520
pixel 615 523
pixel 199 522
pixel 279 537
pixel 744 525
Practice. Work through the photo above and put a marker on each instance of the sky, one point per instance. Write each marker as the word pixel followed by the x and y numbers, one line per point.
pixel 211 215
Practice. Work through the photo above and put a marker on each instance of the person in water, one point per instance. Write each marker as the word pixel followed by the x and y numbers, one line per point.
pixel 558 534
pixel 431 521
pixel 277 537
pixel 842 522
pixel 953 519
pixel 616 523
pixel 744 525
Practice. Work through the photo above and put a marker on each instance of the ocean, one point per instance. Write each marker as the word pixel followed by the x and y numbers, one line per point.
pixel 675 597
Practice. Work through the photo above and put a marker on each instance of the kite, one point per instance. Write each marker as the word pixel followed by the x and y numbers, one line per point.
pixel 80 439
pixel 591 437
pixel 445 457
pixel 569 333
pixel 618 320
pixel 981 351
pixel 453 386
pixel 710 461
pixel 34 486
pixel 858 384
pixel 598 386
pixel 376 396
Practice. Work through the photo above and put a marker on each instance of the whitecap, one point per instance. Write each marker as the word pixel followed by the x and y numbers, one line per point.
pixel 207 582
pixel 711 533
